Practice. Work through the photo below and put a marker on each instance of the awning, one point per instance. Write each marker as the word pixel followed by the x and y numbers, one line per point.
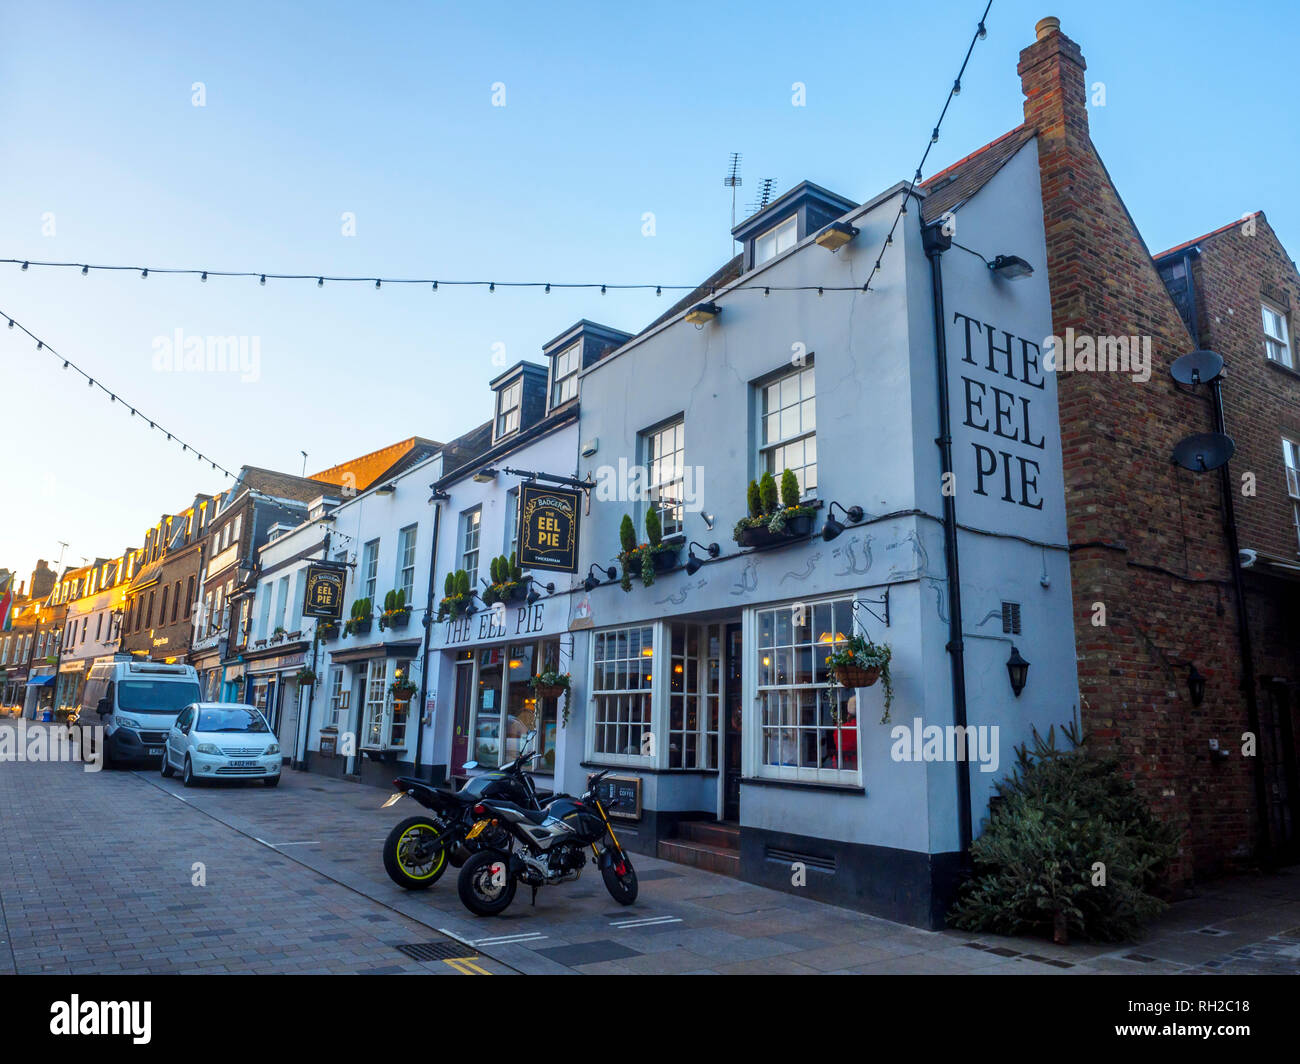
pixel 40 681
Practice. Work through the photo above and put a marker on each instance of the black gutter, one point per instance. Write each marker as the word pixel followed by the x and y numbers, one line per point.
pixel 936 242
pixel 1263 843
pixel 427 621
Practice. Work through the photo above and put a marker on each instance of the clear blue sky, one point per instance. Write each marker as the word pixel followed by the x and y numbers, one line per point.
pixel 385 111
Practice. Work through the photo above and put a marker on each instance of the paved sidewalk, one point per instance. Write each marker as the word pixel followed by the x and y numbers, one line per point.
pixel 295 883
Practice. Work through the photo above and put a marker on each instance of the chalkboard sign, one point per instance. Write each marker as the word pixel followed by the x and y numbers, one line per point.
pixel 620 795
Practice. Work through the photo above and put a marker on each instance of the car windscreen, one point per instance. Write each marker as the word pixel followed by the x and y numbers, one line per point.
pixel 155 696
pixel 231 719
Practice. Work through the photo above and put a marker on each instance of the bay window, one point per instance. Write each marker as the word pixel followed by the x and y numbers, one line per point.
pixel 805 729
pixel 622 677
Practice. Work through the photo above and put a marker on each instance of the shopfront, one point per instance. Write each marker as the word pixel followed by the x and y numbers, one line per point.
pixel 362 725
pixel 71 681
pixel 488 662
pixel 271 686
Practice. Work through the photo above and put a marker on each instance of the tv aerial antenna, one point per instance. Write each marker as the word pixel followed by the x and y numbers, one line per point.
pixel 733 181
pixel 764 197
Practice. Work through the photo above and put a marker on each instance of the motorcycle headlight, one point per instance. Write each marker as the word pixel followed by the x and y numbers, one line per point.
pixel 208 748
pixel 128 722
pixel 274 748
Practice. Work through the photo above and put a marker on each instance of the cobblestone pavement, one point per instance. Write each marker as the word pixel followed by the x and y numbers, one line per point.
pixel 97 875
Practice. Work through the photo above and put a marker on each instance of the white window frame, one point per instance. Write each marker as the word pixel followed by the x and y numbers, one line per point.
pixel 471 523
pixel 406 543
pixel 369 570
pixel 508 415
pixel 1277 345
pixel 661 475
pixel 1291 457
pixel 806 403
pixel 705 688
pixel 334 709
pixel 570 361
pixel 779 238
pixel 655 693
pixel 753 763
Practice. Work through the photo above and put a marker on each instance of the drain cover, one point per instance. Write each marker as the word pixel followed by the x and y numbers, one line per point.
pixel 435 951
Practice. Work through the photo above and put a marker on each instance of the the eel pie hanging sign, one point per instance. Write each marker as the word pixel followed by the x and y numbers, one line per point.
pixel 548 528
pixel 324 596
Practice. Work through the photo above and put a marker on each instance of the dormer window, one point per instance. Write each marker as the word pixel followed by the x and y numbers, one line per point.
pixel 509 401
pixel 564 374
pixel 779 238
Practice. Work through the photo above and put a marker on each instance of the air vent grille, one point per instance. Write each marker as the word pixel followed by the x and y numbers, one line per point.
pixel 808 860
pixel 1011 618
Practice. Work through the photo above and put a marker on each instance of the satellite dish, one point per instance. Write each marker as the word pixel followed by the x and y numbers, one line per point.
pixel 1204 451
pixel 1197 367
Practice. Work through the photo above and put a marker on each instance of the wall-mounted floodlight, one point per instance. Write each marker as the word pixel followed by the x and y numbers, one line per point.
pixel 1010 267
pixel 703 313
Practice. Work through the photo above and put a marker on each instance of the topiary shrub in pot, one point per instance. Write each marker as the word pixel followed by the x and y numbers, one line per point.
pixel 396 612
pixel 361 620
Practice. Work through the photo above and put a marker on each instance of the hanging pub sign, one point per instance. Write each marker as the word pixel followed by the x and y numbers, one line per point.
pixel 324 596
pixel 548 528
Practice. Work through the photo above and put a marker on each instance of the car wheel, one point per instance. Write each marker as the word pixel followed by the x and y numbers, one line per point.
pixel 165 766
pixel 271 781
pixel 187 773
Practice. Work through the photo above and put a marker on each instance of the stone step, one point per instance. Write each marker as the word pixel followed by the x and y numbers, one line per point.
pixel 711 833
pixel 701 855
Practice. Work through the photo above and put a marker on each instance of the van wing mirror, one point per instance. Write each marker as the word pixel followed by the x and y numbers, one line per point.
pixel 104 707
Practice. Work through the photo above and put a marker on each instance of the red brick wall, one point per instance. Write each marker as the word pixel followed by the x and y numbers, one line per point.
pixel 1146 537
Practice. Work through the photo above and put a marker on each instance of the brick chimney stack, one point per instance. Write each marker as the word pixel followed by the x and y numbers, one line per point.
pixel 1051 75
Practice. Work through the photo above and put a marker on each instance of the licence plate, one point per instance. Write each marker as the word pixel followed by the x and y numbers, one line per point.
pixel 393 799
pixel 477 829
pixel 155 751
pixel 243 764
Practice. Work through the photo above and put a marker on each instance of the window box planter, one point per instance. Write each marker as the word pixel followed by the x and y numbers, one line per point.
pixel 328 629
pixel 360 626
pixel 772 520
pixel 395 619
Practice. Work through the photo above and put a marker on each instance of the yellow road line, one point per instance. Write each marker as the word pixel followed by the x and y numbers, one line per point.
pixel 466 965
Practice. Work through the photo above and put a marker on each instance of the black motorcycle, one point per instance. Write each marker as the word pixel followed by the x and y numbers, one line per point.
pixel 552 848
pixel 418 849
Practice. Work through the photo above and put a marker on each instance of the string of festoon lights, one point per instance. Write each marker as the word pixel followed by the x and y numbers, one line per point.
pixel 154 425
pixel 379 281
pixel 434 284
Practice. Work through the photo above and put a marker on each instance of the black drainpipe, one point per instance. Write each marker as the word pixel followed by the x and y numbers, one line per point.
pixel 311 691
pixel 936 242
pixel 1263 842
pixel 427 621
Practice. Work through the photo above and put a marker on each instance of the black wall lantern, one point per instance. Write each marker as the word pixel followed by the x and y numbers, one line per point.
pixel 693 563
pixel 1195 685
pixel 833 528
pixel 533 594
pixel 592 582
pixel 1018 670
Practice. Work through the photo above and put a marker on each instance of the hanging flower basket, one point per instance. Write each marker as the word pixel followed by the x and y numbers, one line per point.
pixel 550 683
pixel 856 675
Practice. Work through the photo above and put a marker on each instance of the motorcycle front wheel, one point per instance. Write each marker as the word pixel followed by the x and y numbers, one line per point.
pixel 486 886
pixel 622 888
pixel 414 855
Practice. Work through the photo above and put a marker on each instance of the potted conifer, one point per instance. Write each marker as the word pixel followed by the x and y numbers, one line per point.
pixel 362 619
pixel 397 613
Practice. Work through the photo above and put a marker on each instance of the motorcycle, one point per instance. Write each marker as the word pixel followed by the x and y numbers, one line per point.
pixel 552 849
pixel 419 848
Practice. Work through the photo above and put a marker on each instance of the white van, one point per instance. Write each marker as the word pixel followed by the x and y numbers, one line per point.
pixel 137 703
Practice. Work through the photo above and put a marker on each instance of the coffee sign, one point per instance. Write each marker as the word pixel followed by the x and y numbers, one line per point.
pixel 548 528
pixel 324 596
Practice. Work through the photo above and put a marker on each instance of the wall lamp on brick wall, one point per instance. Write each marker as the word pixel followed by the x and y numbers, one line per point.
pixel 1195 685
pixel 1010 267
pixel 1018 670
